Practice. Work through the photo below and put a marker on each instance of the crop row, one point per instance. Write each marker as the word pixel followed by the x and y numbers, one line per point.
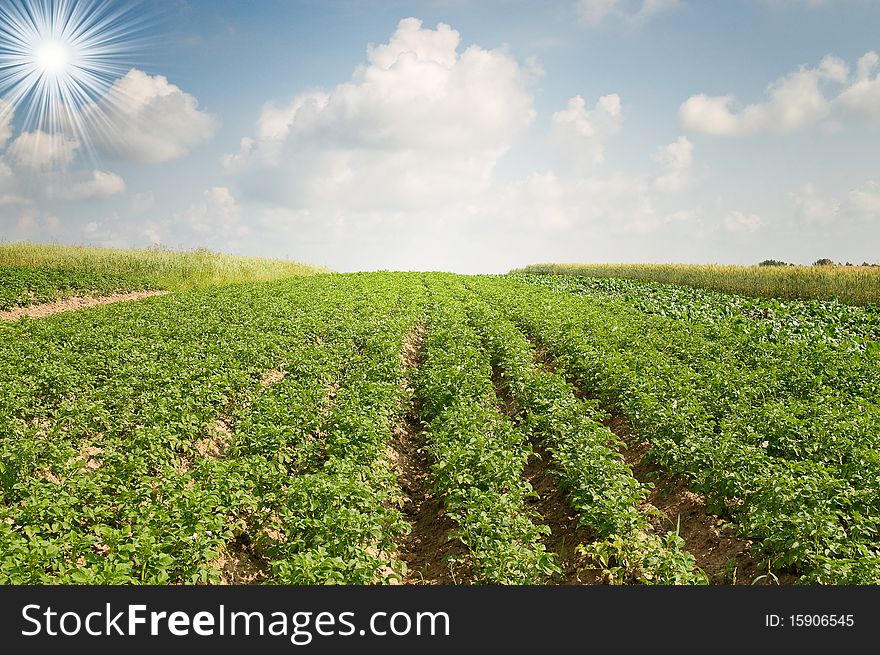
pixel 477 454
pixel 600 485
pixel 782 436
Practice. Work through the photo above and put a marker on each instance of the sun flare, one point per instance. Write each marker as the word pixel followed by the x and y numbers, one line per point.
pixel 59 56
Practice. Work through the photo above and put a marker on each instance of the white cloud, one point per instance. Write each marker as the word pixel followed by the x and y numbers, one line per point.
pixel 676 159
pixel 419 124
pixel 737 221
pixel 111 232
pixel 142 202
pixel 9 187
pixel 865 201
pixel 583 132
pixel 97 185
pixel 793 101
pixel 32 224
pixel 812 208
pixel 542 200
pixel 615 204
pixel 39 151
pixel 651 8
pixel 594 12
pixel 863 96
pixel 216 214
pixel 145 118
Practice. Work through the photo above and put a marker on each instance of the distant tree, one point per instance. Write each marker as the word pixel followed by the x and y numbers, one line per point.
pixel 824 262
pixel 773 262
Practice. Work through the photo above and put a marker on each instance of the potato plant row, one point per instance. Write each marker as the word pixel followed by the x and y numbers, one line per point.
pixel 588 463
pixel 20 286
pixel 477 454
pixel 781 436
pixel 141 443
pixel 802 399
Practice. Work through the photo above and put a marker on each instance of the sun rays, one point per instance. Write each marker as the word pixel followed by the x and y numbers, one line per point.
pixel 58 57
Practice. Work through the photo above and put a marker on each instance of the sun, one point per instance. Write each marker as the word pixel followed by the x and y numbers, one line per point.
pixel 58 57
pixel 53 57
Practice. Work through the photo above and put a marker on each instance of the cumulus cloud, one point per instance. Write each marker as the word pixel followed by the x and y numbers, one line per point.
pixel 594 12
pixel 217 213
pixel 9 187
pixel 39 151
pixel 420 122
pixel 543 200
pixel 863 96
pixel 811 207
pixel 584 132
pixel 96 185
pixel 739 222
pixel 142 202
pixel 145 118
pixel 792 102
pixel 676 159
pixel 616 203
pixel 865 201
pixel 30 224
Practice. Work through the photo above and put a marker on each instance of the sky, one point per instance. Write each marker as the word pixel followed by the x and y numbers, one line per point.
pixel 445 135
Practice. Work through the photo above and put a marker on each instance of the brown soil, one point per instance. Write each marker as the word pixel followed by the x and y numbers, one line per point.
pixel 238 565
pixel 272 377
pixel 544 359
pixel 218 440
pixel 73 303
pixel 711 539
pixel 556 513
pixel 426 550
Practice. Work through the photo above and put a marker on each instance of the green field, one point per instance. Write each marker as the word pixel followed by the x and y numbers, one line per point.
pixel 854 285
pixel 433 428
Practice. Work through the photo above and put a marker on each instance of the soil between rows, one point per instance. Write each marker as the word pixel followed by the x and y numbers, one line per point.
pixel 73 303
pixel 427 549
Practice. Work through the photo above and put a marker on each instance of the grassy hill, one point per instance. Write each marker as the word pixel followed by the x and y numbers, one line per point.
pixel 153 267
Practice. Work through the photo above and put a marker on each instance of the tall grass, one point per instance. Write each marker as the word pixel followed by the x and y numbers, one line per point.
pixel 853 285
pixel 166 269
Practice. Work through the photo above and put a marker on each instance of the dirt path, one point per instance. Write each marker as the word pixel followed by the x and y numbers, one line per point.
pixel 427 548
pixel 73 303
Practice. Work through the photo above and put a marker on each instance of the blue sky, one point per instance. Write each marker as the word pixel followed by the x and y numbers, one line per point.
pixel 468 136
